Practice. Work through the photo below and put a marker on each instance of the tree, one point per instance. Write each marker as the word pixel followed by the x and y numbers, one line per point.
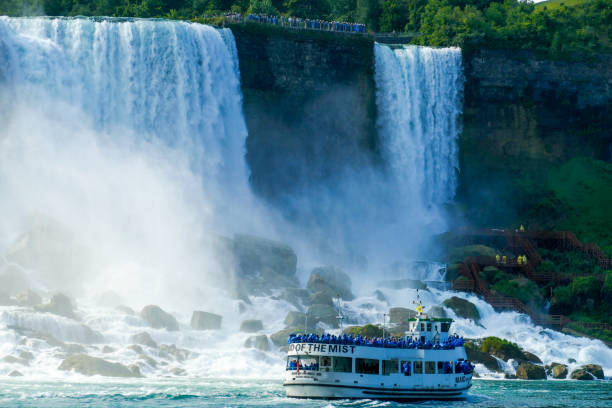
pixel 263 7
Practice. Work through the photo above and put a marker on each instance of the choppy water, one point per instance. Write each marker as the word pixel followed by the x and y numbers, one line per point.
pixel 270 393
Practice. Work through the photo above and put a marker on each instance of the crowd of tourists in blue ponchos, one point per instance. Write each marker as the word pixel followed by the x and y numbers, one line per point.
pixel 296 22
pixel 387 342
pixel 464 367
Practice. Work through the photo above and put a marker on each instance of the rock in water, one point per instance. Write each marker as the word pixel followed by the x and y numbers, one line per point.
pixel 324 314
pixel 205 321
pixel 330 279
pixel 595 370
pixel 15 373
pixel 528 371
pixel 401 315
pixel 158 319
pixel 280 337
pixel 260 342
pixel 295 319
pixel 437 312
pixel 559 371
pixel 86 365
pixel 145 339
pixel 60 305
pixel 28 298
pixel 530 357
pixel 251 326
pixel 298 297
pixel 476 355
pixel 462 308
pixel 582 375
pixel 501 348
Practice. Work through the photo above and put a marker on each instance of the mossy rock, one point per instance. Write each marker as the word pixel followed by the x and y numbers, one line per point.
pixel 462 308
pixel 528 371
pixel 281 337
pixel 594 369
pixel 582 375
pixel 502 349
pixel 458 254
pixel 559 371
pixel 86 365
pixel 532 358
pixel 475 355
pixel 368 330
pixel 452 272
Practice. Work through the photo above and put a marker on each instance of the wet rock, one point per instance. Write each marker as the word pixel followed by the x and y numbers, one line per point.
pixel 582 375
pixel 322 297
pixel 87 365
pixel 298 297
pixel 403 284
pixel 148 360
pixel 158 319
pixel 73 348
pixel 295 319
pixel 15 360
pixel 530 357
pixel 380 296
pixel 125 310
pixel 205 321
pixel 178 371
pixel 401 316
pixel 107 349
pixel 28 298
pixel 178 354
pixel 368 330
pixel 559 371
pixel 476 355
pixel 462 308
pixel 251 326
pixel 60 305
pixel 324 314
pixel 135 370
pixel 510 376
pixel 595 370
pixel 261 265
pixel 437 312
pixel 26 355
pixel 136 348
pixel 280 337
pixel 502 349
pixel 15 373
pixel 332 280
pixel 144 339
pixel 260 342
pixel 528 371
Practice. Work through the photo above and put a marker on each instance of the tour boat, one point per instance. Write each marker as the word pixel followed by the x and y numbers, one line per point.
pixel 426 363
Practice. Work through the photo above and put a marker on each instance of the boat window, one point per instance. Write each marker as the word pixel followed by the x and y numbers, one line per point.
pixel 422 326
pixel 291 363
pixel 367 366
pixel 418 367
pixel 440 367
pixel 428 326
pixel 343 364
pixel 390 367
pixel 309 363
pixel 445 327
pixel 430 367
pixel 406 367
pixel 326 363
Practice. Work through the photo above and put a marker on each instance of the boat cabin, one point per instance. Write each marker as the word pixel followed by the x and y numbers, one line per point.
pixel 427 329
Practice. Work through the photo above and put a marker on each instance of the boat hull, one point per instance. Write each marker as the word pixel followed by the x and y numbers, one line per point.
pixel 338 391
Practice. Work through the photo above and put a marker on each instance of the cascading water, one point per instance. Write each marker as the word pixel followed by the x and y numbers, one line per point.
pixel 419 101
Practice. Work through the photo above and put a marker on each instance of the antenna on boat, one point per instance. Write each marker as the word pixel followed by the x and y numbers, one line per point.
pixel 384 324
pixel 418 302
pixel 340 317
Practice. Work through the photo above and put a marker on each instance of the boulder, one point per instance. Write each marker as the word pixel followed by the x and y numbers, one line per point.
pixel 15 360
pixel 74 348
pixel 437 312
pixel 125 310
pixel 323 314
pixel 178 371
pixel 261 265
pixel 528 371
pixel 251 326
pixel 281 337
pixel 332 280
pixel 298 297
pixel 322 297
pixel 107 349
pixel 476 355
pixel 594 369
pixel 402 284
pixel 136 348
pixel 60 305
pixel 582 375
pixel 559 371
pixel 401 315
pixel 29 298
pixel 458 254
pixel 15 373
pixel 145 339
pixel 501 348
pixel 368 330
pixel 87 365
pixel 158 319
pixel 260 342
pixel 380 296
pixel 462 308
pixel 179 354
pixel 295 319
pixel 26 355
pixel 530 357
pixel 205 321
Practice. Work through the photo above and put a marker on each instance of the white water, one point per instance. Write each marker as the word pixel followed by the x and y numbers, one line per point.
pixel 123 148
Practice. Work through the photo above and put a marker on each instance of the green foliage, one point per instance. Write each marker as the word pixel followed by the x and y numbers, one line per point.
pixel 262 7
pixel 368 330
pixel 599 333
pixel 575 262
pixel 500 347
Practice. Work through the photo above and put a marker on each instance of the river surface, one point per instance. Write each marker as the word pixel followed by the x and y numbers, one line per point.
pixel 270 393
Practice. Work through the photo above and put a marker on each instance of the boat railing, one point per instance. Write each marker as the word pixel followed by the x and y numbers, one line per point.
pixel 393 342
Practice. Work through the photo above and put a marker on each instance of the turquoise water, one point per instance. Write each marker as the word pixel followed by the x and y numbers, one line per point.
pixel 270 393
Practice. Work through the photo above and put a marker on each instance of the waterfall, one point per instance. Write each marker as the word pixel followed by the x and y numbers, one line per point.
pixel 419 97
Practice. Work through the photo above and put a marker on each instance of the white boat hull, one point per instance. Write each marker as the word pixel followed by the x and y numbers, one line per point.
pixel 337 391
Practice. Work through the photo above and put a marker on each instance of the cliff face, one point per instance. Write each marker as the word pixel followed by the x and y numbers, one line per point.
pixel 524 114
pixel 309 104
